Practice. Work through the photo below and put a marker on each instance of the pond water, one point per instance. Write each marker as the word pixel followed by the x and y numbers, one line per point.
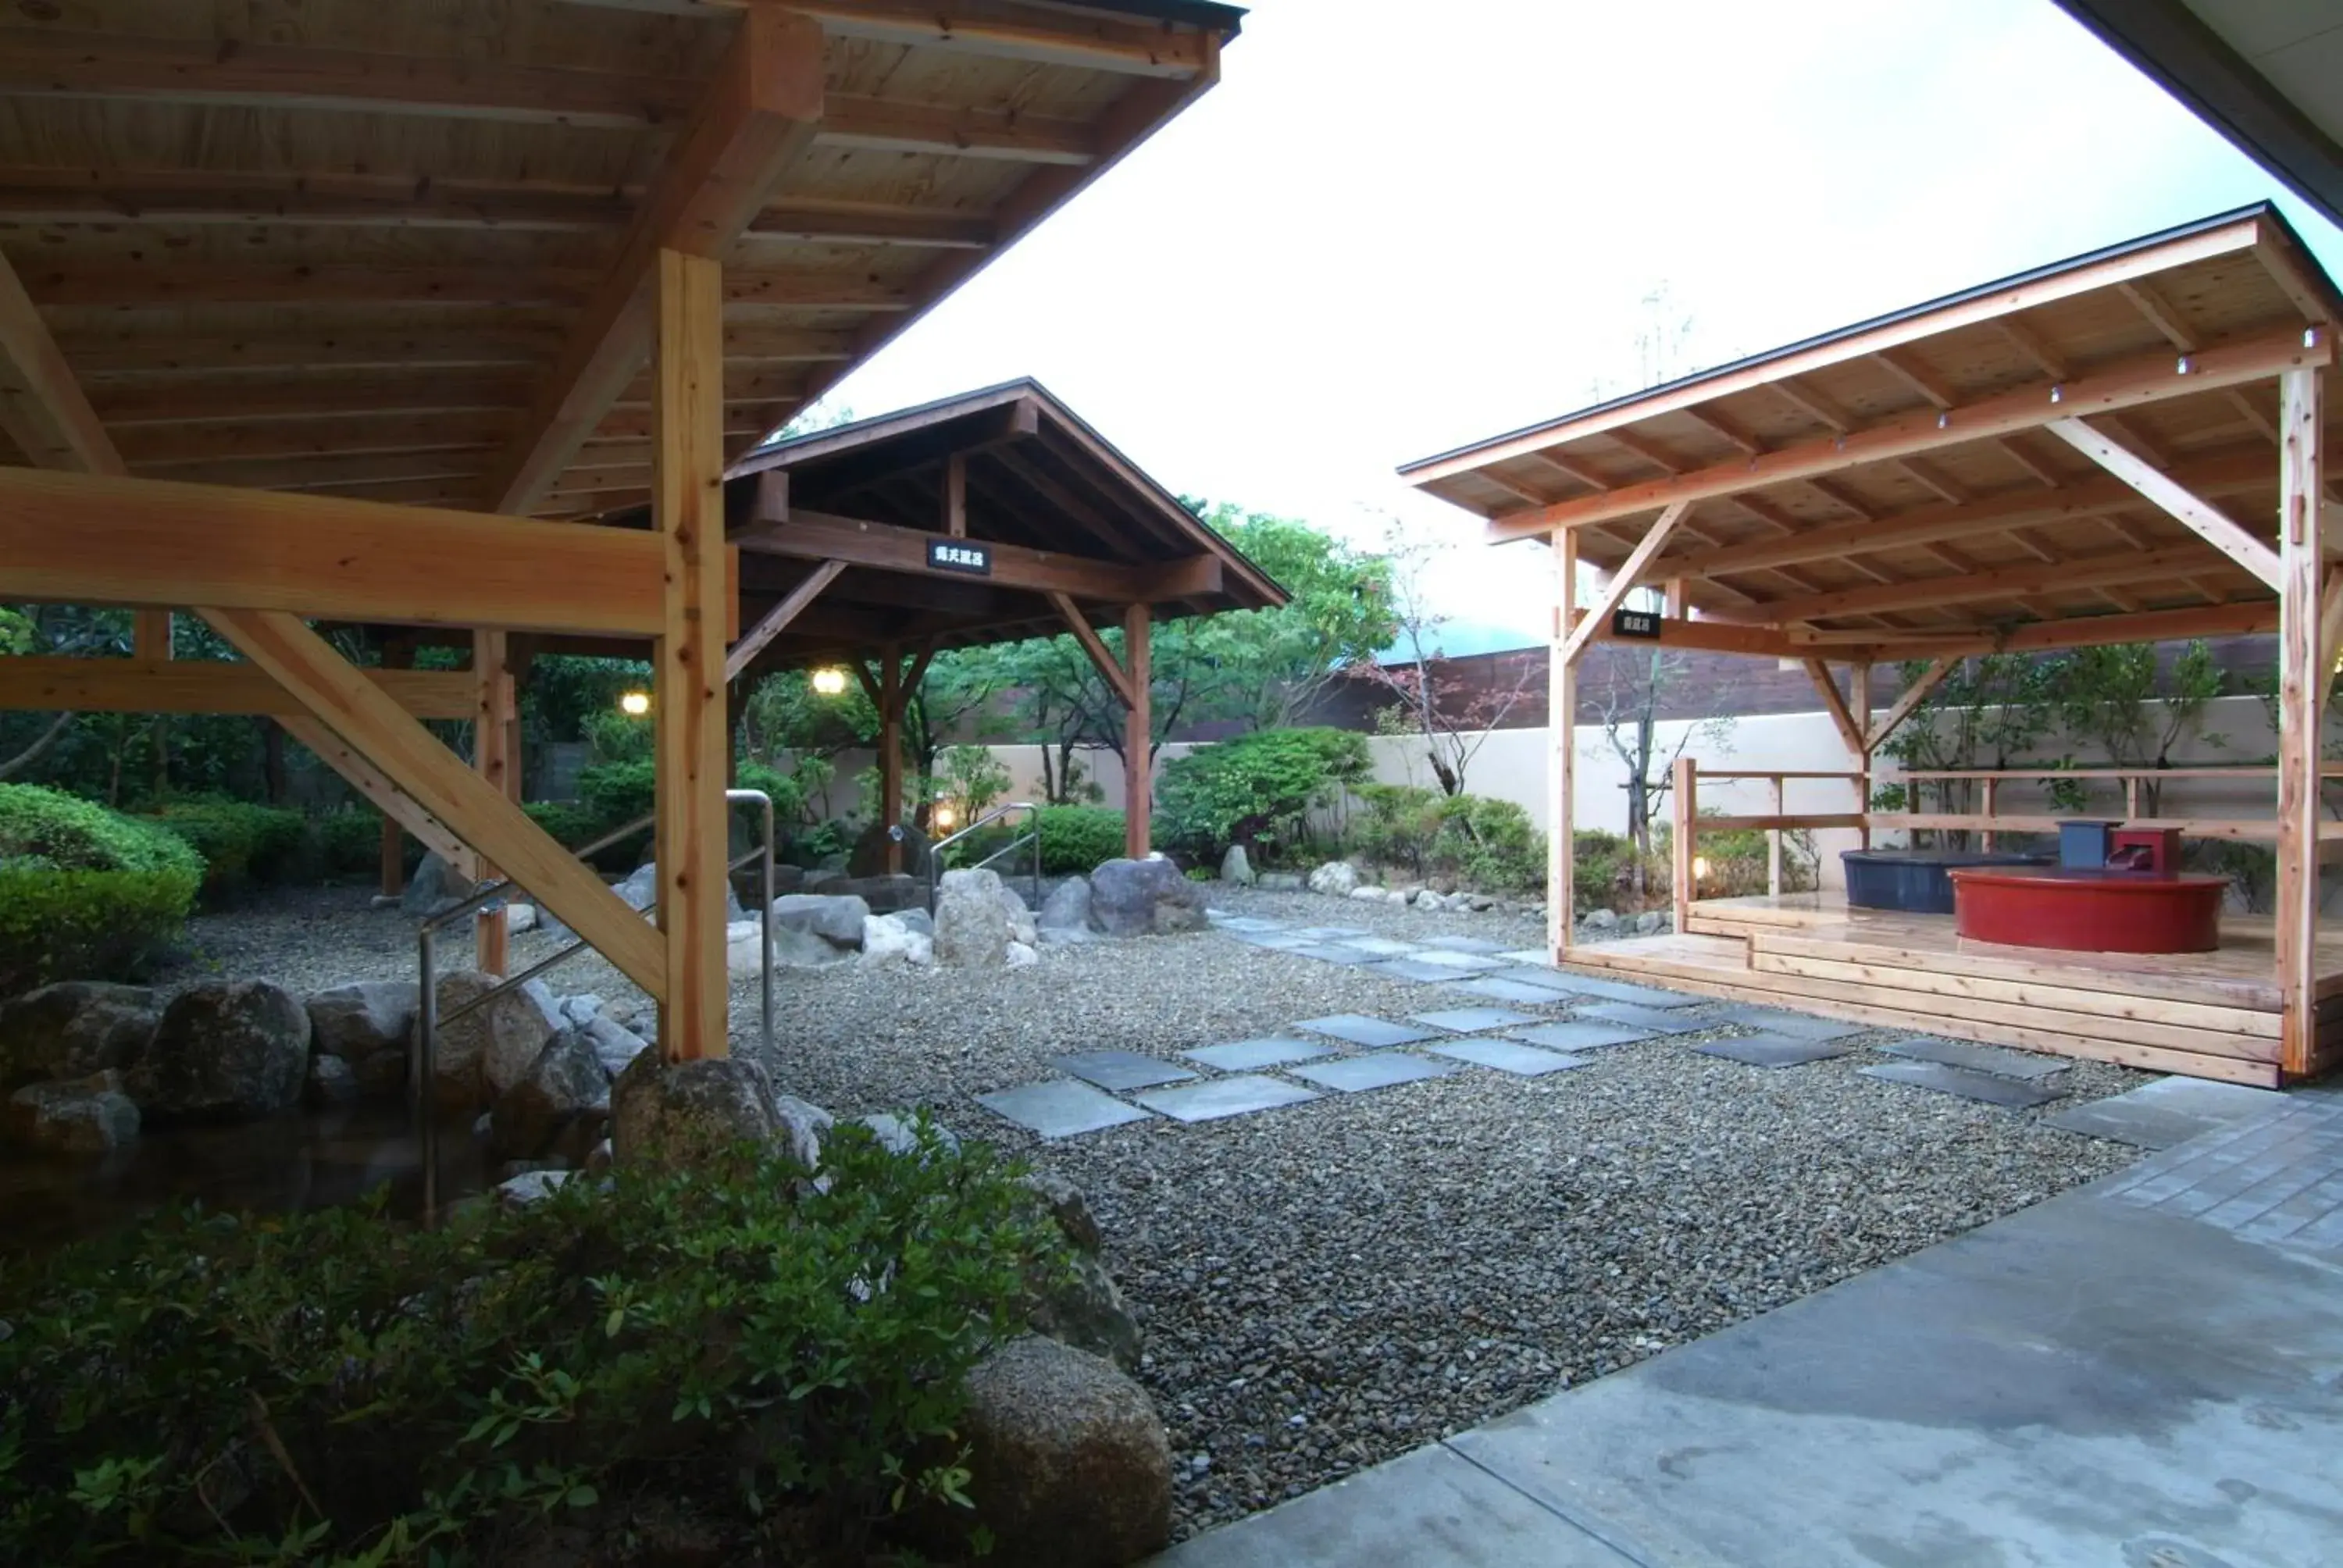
pixel 290 1163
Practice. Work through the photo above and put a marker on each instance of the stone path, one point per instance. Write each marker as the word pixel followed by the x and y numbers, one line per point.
pixel 1551 1022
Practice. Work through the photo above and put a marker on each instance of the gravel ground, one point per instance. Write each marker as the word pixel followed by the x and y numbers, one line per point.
pixel 1327 1285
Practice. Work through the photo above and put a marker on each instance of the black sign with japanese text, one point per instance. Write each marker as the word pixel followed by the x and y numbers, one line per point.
pixel 960 555
pixel 1639 623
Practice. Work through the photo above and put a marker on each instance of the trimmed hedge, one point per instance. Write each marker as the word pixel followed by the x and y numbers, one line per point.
pixel 1075 838
pixel 1255 790
pixel 244 846
pixel 86 893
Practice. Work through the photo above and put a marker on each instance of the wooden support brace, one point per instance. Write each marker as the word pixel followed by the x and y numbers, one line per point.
pixel 776 620
pixel 398 808
pixel 1836 706
pixel 1909 701
pixel 1647 550
pixel 1100 656
pixel 2214 526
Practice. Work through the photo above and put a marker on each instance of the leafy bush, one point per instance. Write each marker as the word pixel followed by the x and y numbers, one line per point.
pixel 349 843
pixel 244 845
pixel 564 823
pixel 86 893
pixel 333 1388
pixel 1076 838
pixel 1469 839
pixel 618 792
pixel 1397 827
pixel 1256 790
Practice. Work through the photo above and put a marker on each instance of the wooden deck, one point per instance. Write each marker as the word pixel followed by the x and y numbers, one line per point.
pixel 2209 1015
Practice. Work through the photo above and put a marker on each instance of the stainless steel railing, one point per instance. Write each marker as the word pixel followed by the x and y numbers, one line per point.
pixel 1033 836
pixel 423 1068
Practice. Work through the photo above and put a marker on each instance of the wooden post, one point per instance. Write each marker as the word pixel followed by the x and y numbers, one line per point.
pixel 688 712
pixel 492 690
pixel 956 495
pixel 1859 705
pixel 1137 733
pixel 891 750
pixel 151 638
pixel 1685 797
pixel 1773 839
pixel 394 840
pixel 1561 752
pixel 2300 682
pixel 1989 799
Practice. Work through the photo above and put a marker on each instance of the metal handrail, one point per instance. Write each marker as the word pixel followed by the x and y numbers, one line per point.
pixel 423 1072
pixel 936 850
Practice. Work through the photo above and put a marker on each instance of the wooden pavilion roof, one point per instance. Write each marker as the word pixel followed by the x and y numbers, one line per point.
pixel 397 251
pixel 1945 475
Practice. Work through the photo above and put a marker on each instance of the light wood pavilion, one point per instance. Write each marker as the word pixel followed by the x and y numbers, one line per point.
pixel 2126 447
pixel 357 312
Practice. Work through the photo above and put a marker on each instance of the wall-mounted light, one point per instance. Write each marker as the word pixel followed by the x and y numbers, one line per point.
pixel 829 680
pixel 634 704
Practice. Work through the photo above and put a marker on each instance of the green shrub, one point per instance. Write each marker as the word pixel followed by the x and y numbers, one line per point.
pixel 86 893
pixel 618 792
pixel 1076 838
pixel 1478 842
pixel 565 823
pixel 349 843
pixel 754 1348
pixel 244 845
pixel 1256 790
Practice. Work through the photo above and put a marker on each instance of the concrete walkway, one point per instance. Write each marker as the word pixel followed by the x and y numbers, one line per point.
pixel 2144 1373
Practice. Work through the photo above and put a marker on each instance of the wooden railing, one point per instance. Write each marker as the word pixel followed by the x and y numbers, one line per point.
pixel 1690 824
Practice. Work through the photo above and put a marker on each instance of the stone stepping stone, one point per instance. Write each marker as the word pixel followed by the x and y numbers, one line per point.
pixel 1773 1050
pixel 1276 941
pixel 1642 995
pixel 1383 947
pixel 1119 1068
pixel 1774 1020
pixel 1579 1036
pixel 1978 1058
pixel 1247 923
pixel 2007 1092
pixel 1505 1055
pixel 1472 1020
pixel 1534 957
pixel 1496 988
pixel 1252 1055
pixel 1464 944
pixel 2168 1112
pixel 1463 963
pixel 1331 933
pixel 1652 1020
pixel 1358 1028
pixel 1060 1109
pixel 1549 980
pixel 1376 1069
pixel 1335 953
pixel 1218 1097
pixel 1416 970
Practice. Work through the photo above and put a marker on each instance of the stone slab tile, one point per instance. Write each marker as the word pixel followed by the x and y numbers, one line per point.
pixel 1358 1028
pixel 1778 1020
pixel 1336 953
pixel 1579 1036
pixel 1462 963
pixel 1383 947
pixel 1331 933
pixel 1252 1055
pixel 1641 995
pixel 1217 1097
pixel 1415 970
pixel 1535 958
pixel 1375 1069
pixel 1509 1056
pixel 1119 1068
pixel 1276 941
pixel 1650 1020
pixel 1551 980
pixel 1773 1050
pixel 1472 1020
pixel 2168 1112
pixel 1464 944
pixel 1496 988
pixel 2010 1093
pixel 1060 1108
pixel 1971 1057
pixel 1247 923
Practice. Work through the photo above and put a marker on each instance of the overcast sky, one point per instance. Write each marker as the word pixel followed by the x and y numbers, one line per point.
pixel 1396 228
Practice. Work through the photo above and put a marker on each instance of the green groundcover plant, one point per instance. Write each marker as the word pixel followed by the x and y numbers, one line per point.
pixel 782 1359
pixel 86 892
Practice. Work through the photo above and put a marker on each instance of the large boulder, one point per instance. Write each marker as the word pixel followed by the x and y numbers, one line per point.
pixel 972 921
pixel 565 1084
pixel 835 918
pixel 885 895
pixel 363 1019
pixel 641 888
pixel 485 1052
pixel 1021 926
pixel 1081 1307
pixel 890 940
pixel 435 887
pixel 1067 1206
pixel 1065 914
pixel 224 1049
pixel 1237 867
pixel 74 1029
pixel 76 1116
pixel 695 1114
pixel 1335 877
pixel 1069 1462
pixel 615 1045
pixel 1143 897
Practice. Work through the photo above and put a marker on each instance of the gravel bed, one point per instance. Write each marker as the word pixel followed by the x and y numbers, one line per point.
pixel 1327 1285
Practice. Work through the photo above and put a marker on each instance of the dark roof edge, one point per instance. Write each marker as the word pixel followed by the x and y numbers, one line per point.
pixel 1227 19
pixel 2261 209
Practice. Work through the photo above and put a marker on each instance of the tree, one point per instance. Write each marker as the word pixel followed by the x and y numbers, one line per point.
pixel 1985 714
pixel 1274 665
pixel 2123 700
pixel 1631 684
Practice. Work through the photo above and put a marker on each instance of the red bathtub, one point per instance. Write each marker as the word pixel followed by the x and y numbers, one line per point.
pixel 2089 911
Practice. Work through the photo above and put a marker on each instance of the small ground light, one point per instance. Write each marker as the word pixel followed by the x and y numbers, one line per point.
pixel 635 704
pixel 829 680
pixel 1700 868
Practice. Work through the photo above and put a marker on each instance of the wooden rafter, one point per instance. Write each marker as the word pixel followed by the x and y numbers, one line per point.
pixel 1997 583
pixel 1917 376
pixel 819 536
pixel 2210 524
pixel 1908 701
pixel 2032 345
pixel 776 620
pixel 1824 410
pixel 2161 314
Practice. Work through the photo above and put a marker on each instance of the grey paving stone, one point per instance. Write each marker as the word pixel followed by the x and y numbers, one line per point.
pixel 1772 1049
pixel 1462 963
pixel 1506 1056
pixel 1059 1108
pixel 1653 1020
pixel 1642 995
pixel 1383 947
pixel 2168 1112
pixel 1496 988
pixel 1252 1055
pixel 1247 923
pixel 2007 1093
pixel 1978 1058
pixel 1464 944
pixel 1277 942
pixel 1780 1021
pixel 1218 1097
pixel 1579 1036
pixel 1550 980
pixel 1376 1069
pixel 1336 953
pixel 1119 1068
pixel 1415 970
pixel 1331 933
pixel 1472 1020
pixel 1358 1028
pixel 1535 958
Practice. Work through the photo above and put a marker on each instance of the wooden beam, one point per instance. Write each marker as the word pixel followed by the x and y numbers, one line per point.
pixel 1995 583
pixel 1101 656
pixel 755 120
pixel 1615 594
pixel 1909 702
pixel 884 125
pixel 494 760
pixel 2161 314
pixel 2300 682
pixel 776 620
pixel 2035 348
pixel 1562 751
pixel 94 539
pixel 1709 636
pixel 1003 30
pixel 1826 412
pixel 1931 386
pixel 1138 732
pixel 42 409
pixel 140 685
pixel 819 536
pixel 2132 383
pixel 398 808
pixel 1841 718
pixel 2248 617
pixel 956 495
pixel 2214 526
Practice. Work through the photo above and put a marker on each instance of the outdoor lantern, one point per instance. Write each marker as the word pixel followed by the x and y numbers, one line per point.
pixel 944 815
pixel 635 704
pixel 829 680
pixel 1700 868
